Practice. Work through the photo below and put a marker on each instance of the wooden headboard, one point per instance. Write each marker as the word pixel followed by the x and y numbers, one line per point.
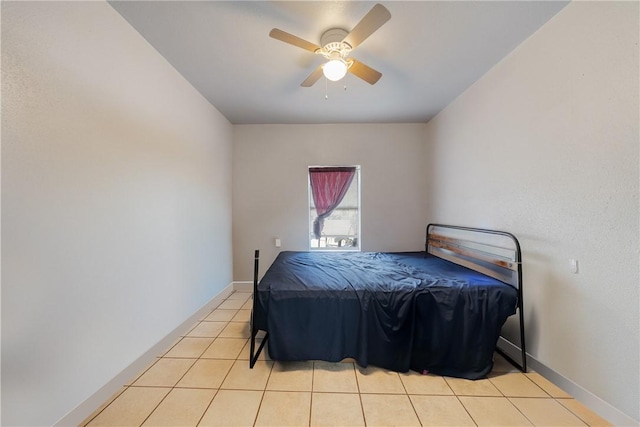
pixel 493 253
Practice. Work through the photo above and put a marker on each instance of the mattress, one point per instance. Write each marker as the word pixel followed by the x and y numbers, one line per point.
pixel 398 311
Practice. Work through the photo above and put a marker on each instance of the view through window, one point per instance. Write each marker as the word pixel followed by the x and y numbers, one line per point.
pixel 334 208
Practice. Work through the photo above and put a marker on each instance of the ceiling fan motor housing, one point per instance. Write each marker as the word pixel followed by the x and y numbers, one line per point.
pixel 331 42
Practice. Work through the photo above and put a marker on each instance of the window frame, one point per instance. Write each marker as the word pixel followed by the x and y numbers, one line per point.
pixel 357 176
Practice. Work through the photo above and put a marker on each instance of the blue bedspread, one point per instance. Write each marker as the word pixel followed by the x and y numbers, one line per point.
pixel 398 311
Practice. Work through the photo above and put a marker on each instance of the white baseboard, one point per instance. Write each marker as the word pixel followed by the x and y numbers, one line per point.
pixel 80 413
pixel 590 400
pixel 510 349
pixel 243 286
pixel 593 402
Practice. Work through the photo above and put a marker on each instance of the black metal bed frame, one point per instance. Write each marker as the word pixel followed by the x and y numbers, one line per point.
pixel 254 329
pixel 504 264
pixel 478 256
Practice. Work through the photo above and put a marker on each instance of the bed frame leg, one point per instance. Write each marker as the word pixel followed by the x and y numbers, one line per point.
pixel 523 350
pixel 253 357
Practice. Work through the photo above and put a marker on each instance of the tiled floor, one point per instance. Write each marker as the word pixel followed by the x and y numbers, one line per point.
pixel 204 379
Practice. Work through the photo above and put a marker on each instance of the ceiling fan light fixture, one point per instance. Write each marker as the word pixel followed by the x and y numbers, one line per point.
pixel 335 69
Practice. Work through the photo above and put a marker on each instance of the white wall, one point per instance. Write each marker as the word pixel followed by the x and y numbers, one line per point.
pixel 546 146
pixel 116 203
pixel 270 196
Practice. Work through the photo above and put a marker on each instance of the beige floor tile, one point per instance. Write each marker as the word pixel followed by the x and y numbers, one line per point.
pixel 584 413
pixel 225 348
pixel 516 384
pixel 376 380
pixel 142 371
pixel 284 408
pixel 231 304
pixel 336 409
pixel 416 383
pixel 493 411
pixel 244 354
pixel 189 347
pixel 247 305
pixel 546 412
pixel 242 378
pixel 242 316
pixel 441 411
pixel 240 295
pixel 131 408
pixel 207 329
pixel 220 315
pixel 462 387
pixel 236 330
pixel 500 364
pixel 334 377
pixel 291 376
pixel 165 373
pixel 192 327
pixel 169 347
pixel 388 410
pixel 181 407
pixel 206 373
pixel 233 408
pixel 551 389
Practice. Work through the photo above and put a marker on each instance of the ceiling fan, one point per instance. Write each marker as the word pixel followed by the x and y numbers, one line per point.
pixel 336 44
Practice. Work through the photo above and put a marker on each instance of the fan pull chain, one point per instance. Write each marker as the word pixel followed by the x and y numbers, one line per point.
pixel 326 88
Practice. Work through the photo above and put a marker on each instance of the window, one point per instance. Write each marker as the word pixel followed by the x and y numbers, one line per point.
pixel 334 208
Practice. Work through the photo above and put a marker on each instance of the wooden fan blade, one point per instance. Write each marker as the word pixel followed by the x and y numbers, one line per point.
pixel 368 25
pixel 365 72
pixel 313 77
pixel 293 40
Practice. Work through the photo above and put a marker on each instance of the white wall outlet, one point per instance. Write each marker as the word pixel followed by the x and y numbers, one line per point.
pixel 573 266
pixel 278 242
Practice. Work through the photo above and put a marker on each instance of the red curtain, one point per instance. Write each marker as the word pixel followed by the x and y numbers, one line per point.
pixel 328 187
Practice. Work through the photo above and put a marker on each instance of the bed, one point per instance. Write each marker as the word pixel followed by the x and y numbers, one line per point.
pixel 439 311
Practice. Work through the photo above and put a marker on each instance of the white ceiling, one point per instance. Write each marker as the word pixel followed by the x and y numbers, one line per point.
pixel 428 54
